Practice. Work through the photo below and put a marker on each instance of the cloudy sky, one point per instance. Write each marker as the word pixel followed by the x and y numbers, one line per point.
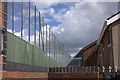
pixel 75 24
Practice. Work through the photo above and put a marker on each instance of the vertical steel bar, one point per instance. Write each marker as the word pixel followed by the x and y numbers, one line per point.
pixel 58 49
pixel 39 28
pixel 43 32
pixel 46 46
pixel 35 28
pixel 57 52
pixel 46 38
pixel 49 42
pixel 63 52
pixel 60 52
pixel 54 46
pixel 49 45
pixel 13 16
pixel 22 20
pixel 42 36
pixel 29 23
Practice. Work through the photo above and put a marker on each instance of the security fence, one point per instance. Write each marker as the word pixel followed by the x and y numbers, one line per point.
pixel 26 42
pixel 26 22
pixel 20 51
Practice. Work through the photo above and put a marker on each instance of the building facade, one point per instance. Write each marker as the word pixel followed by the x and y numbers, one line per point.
pixel 105 51
pixel 108 44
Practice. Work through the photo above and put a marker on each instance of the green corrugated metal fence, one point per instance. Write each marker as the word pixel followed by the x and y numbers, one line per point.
pixel 20 51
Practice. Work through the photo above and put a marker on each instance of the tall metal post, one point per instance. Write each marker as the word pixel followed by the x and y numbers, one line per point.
pixel 13 16
pixel 22 20
pixel 49 42
pixel 52 40
pixel 54 46
pixel 46 46
pixel 39 27
pixel 46 38
pixel 63 52
pixel 35 28
pixel 58 49
pixel 42 35
pixel 49 45
pixel 43 32
pixel 29 23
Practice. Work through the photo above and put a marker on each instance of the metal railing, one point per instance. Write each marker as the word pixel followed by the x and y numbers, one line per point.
pixel 84 69
pixel 74 69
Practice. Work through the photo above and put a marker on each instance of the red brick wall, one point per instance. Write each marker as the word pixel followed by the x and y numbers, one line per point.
pixel 3 23
pixel 3 14
pixel 73 76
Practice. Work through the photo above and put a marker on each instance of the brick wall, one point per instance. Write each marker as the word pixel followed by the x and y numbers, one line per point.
pixel 3 14
pixel 3 33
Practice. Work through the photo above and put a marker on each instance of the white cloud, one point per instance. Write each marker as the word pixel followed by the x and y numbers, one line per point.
pixel 50 1
pixel 15 18
pixel 62 29
pixel 47 20
pixel 25 34
pixel 52 10
pixel 82 23
pixel 101 0
pixel 32 13
pixel 9 30
pixel 44 11
pixel 54 29
pixel 41 5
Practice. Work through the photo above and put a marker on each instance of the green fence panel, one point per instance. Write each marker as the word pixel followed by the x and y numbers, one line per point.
pixel 20 51
pixel 10 47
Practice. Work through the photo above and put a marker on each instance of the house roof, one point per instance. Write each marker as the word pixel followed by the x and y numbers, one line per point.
pixel 86 47
pixel 90 45
pixel 107 22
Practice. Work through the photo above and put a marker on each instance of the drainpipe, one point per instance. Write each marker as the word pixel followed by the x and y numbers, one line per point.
pixel 101 56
